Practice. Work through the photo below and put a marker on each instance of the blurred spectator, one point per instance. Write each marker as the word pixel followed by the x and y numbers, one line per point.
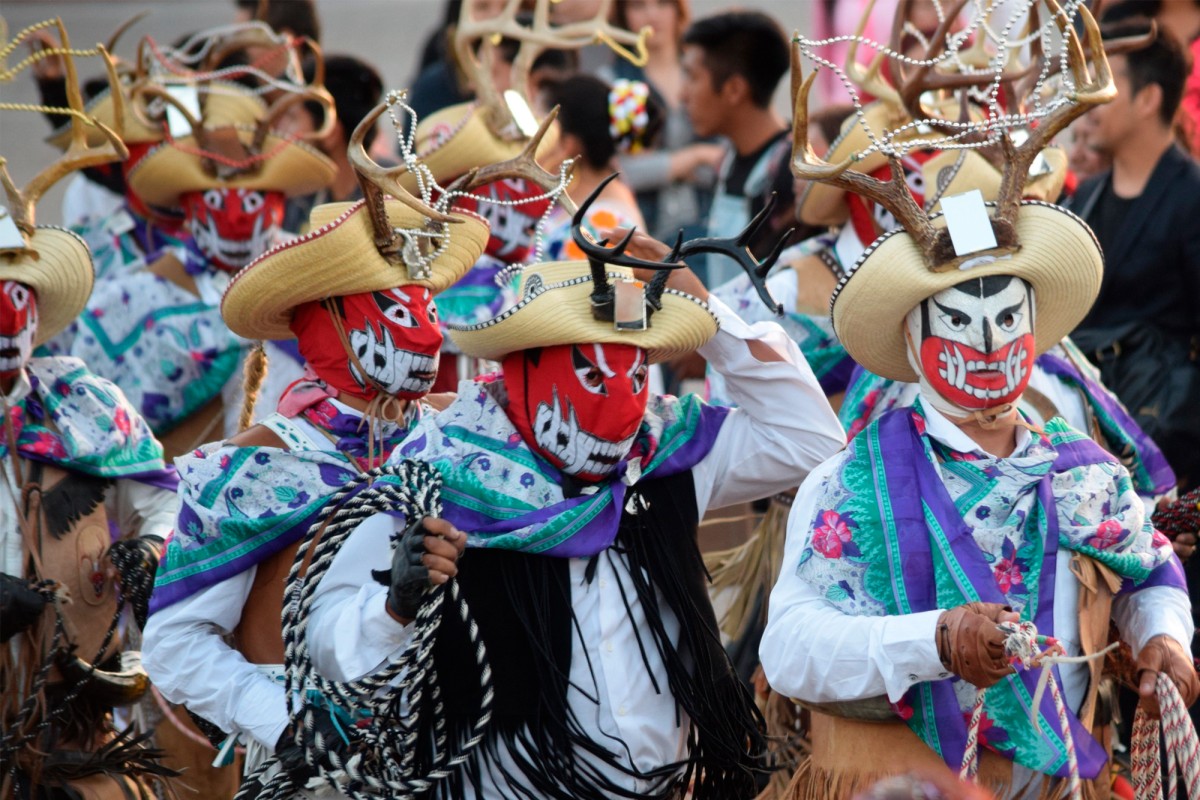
pixel 1181 19
pixel 587 129
pixel 296 17
pixel 732 63
pixel 1084 158
pixel 442 83
pixel 1144 330
pixel 356 88
pixel 671 180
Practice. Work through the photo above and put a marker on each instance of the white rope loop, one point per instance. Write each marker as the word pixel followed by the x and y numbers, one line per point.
pixel 1182 746
pixel 1023 647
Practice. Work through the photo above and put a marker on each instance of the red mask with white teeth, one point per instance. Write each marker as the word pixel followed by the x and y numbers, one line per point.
pixel 233 226
pixel 18 323
pixel 578 405
pixel 975 344
pixel 393 334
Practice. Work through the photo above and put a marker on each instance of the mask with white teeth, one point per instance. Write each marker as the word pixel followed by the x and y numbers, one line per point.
pixel 233 226
pixel 972 345
pixel 578 405
pixel 393 335
pixel 18 324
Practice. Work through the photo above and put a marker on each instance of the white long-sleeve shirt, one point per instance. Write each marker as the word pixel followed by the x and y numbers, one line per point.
pixel 812 651
pixel 782 428
pixel 190 663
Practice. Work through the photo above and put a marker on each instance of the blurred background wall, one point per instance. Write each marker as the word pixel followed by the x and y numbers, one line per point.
pixel 387 33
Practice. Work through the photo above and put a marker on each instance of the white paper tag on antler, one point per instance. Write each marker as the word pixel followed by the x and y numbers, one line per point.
pixel 629 305
pixel 186 95
pixel 10 234
pixel 526 122
pixel 969 223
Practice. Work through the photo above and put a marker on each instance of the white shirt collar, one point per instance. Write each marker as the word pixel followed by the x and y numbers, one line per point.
pixel 952 436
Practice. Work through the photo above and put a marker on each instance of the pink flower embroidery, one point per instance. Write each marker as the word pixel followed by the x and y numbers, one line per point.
pixel 1109 533
pixel 1008 574
pixel 832 535
pixel 121 420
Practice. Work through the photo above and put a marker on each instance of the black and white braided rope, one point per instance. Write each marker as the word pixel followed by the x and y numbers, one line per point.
pixel 401 699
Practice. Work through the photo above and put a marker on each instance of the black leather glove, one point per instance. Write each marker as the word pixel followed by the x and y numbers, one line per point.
pixel 20 605
pixel 324 739
pixel 409 577
pixel 136 561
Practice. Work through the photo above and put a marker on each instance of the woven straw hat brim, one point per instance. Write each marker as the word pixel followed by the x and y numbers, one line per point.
pixel 167 172
pixel 559 311
pixel 336 258
pixel 1058 256
pixel 101 107
pixel 457 139
pixel 61 275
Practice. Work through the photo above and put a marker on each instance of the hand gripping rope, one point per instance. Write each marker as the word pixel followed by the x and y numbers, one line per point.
pixel 1183 747
pixel 1021 645
pixel 399 708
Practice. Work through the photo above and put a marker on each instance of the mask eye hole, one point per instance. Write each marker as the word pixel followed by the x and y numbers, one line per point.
pixel 639 378
pixel 214 199
pixel 433 313
pixel 1008 320
pixel 19 295
pixel 954 320
pixel 399 314
pixel 252 202
pixel 589 374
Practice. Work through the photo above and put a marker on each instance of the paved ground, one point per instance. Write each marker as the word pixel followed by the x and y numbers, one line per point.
pixel 385 32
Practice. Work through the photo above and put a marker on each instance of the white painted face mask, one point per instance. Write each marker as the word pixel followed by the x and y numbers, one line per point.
pixel 972 344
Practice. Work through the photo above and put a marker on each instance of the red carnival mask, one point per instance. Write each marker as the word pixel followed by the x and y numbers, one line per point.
pixel 975 342
pixel 869 218
pixel 393 334
pixel 579 405
pixel 512 217
pixel 169 219
pixel 18 323
pixel 233 226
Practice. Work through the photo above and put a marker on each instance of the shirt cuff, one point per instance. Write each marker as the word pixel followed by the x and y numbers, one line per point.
pixel 910 644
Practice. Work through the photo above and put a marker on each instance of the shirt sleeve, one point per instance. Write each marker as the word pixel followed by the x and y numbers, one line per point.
pixel 144 510
pixel 185 655
pixel 350 633
pixel 812 651
pixel 783 426
pixel 1154 611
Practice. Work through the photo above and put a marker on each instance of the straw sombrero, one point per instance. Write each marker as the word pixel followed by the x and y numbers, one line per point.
pixel 336 258
pixel 556 308
pixel 951 172
pixel 457 139
pixel 1058 255
pixel 58 267
pixel 176 167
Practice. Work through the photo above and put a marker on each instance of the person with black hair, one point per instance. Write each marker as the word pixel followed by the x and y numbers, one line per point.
pixel 596 122
pixel 1144 330
pixel 732 63
pixel 356 88
pixel 297 17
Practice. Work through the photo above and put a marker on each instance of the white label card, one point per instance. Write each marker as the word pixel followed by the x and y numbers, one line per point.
pixel 10 234
pixel 186 96
pixel 969 224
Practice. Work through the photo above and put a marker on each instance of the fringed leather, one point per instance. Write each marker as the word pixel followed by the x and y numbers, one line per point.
pixel 74 497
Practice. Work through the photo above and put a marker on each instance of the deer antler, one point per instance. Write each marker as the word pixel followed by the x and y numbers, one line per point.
pixel 78 154
pixel 539 35
pixel 868 78
pixel 738 248
pixel 377 181
pixel 893 194
pixel 523 166
pixel 314 91
pixel 1089 92
pixel 600 256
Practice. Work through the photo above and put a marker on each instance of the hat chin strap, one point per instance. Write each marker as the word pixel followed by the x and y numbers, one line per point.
pixel 986 418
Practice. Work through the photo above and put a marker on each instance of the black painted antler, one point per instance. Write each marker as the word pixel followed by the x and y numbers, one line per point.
pixel 600 257
pixel 738 248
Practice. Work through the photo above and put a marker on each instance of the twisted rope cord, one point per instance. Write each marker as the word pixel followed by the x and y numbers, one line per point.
pixel 1022 647
pixel 1180 739
pixel 403 693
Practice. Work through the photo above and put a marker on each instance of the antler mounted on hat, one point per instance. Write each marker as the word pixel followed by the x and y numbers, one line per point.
pixel 53 261
pixel 534 38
